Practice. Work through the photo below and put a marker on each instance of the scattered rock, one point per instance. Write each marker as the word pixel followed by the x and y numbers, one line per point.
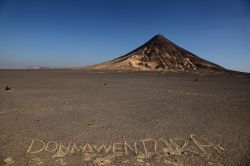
pixel 36 161
pixel 105 84
pixel 59 154
pixel 9 161
pixel 7 88
pixel 103 161
pixel 60 161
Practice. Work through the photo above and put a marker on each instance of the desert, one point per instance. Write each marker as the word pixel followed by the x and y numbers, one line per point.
pixel 174 118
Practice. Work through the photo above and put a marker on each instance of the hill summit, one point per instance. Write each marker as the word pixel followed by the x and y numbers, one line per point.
pixel 159 54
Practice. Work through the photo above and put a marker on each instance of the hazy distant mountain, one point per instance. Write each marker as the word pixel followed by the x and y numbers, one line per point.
pixel 38 67
pixel 159 54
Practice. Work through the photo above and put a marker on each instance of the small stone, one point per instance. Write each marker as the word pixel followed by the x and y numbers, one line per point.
pixel 195 79
pixel 9 161
pixel 7 88
pixel 61 161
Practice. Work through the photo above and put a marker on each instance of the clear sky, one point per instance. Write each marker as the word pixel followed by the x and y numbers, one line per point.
pixel 73 33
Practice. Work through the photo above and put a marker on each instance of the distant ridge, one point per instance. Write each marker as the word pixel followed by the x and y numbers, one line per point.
pixel 159 54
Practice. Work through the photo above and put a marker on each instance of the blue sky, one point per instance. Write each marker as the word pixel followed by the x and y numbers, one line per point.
pixel 71 33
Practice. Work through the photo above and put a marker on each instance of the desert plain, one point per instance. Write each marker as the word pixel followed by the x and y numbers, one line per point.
pixel 77 118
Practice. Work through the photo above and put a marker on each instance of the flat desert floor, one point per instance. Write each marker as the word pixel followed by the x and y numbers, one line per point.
pixel 77 118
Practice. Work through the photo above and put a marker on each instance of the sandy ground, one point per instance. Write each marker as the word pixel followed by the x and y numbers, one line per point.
pixel 88 118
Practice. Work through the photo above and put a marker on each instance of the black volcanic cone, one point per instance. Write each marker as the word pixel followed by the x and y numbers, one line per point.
pixel 159 54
